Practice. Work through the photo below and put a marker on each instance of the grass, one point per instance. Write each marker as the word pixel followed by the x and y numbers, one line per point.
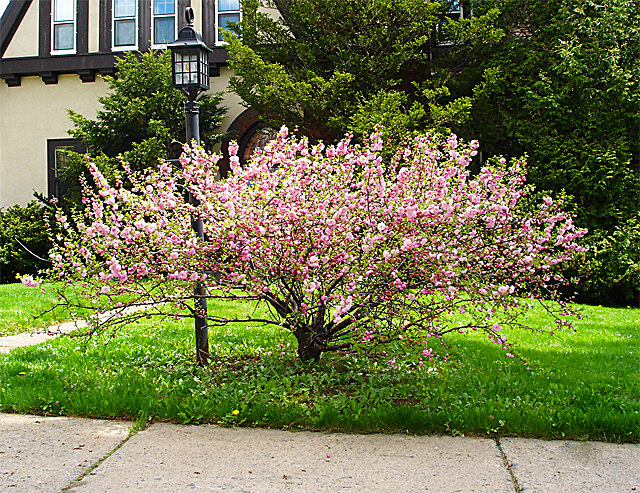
pixel 582 385
pixel 22 308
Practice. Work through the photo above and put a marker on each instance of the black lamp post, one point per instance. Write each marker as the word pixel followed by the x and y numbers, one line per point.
pixel 190 73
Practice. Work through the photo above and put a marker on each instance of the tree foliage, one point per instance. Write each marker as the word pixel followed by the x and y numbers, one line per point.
pixel 346 255
pixel 329 68
pixel 555 80
pixel 142 117
pixel 563 87
pixel 24 242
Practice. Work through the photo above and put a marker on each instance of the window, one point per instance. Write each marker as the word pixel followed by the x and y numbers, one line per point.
pixel 255 138
pixel 63 26
pixel 125 24
pixel 57 160
pixel 455 12
pixel 164 21
pixel 228 11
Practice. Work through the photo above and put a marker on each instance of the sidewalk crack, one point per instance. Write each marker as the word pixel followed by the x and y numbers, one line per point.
pixel 136 428
pixel 509 465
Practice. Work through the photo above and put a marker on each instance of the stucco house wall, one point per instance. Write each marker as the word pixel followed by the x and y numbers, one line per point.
pixel 29 116
pixel 37 84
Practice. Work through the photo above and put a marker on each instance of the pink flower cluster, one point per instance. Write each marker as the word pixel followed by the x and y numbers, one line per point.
pixel 347 251
pixel 29 281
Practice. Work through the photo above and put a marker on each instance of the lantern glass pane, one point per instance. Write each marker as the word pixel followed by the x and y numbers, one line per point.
pixel 194 69
pixel 191 67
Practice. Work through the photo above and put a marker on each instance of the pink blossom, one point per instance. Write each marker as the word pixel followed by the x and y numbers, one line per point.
pixel 329 234
pixel 29 281
pixel 233 148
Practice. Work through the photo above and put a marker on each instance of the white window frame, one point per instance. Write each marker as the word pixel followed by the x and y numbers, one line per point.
pixel 72 50
pixel 133 46
pixel 153 24
pixel 217 20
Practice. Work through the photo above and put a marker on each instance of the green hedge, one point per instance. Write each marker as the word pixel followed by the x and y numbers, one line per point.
pixel 610 270
pixel 22 229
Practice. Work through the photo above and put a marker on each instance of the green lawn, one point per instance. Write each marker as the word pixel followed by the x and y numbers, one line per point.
pixel 582 385
pixel 22 308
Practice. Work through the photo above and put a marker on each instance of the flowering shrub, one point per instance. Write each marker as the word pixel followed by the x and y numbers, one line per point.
pixel 346 253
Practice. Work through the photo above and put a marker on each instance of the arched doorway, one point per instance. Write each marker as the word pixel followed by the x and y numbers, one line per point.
pixel 250 134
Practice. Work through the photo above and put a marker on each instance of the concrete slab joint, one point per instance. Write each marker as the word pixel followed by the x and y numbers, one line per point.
pixel 85 455
pixel 573 466
pixel 44 454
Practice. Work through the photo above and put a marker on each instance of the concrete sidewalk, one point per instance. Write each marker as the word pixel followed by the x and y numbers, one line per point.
pixel 59 454
pixel 9 343
pixel 84 455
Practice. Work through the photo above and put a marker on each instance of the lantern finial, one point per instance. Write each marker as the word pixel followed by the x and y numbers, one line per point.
pixel 188 15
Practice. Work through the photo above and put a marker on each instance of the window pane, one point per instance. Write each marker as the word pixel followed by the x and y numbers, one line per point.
pixel 164 31
pixel 164 7
pixel 224 19
pixel 125 8
pixel 63 10
pixel 228 5
pixel 125 34
pixel 63 37
pixel 61 158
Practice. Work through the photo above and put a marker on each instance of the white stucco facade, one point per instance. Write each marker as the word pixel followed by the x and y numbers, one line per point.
pixel 32 107
pixel 29 116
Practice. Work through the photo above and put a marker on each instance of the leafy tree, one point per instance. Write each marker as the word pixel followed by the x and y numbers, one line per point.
pixel 345 255
pixel 611 266
pixel 329 68
pixel 24 243
pixel 142 117
pixel 563 86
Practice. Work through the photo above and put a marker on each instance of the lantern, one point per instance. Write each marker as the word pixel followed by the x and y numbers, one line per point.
pixel 190 59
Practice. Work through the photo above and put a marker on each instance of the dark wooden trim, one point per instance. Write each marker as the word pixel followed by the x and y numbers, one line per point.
pixel 87 75
pixel 219 56
pixel 49 77
pixel 82 27
pixel 62 64
pixel 104 43
pixel 144 25
pixel 10 21
pixel 12 80
pixel 12 69
pixel 182 4
pixel 44 28
pixel 208 23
